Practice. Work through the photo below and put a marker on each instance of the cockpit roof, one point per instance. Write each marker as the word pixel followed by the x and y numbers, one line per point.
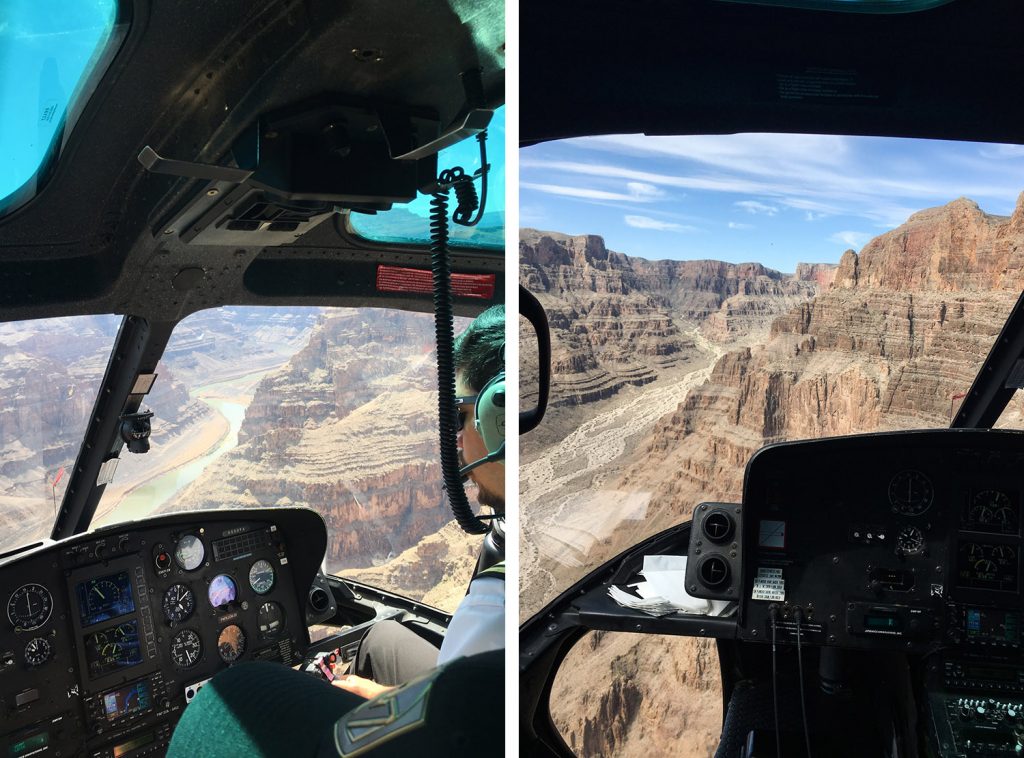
pixel 188 80
pixel 712 67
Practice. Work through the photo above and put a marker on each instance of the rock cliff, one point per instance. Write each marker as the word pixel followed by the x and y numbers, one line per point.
pixel 622 321
pixel 346 427
pixel 904 328
pixel 894 334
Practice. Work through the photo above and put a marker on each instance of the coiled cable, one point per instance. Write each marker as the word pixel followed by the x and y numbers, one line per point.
pixel 444 330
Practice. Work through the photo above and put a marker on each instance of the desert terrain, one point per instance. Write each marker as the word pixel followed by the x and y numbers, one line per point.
pixel 885 340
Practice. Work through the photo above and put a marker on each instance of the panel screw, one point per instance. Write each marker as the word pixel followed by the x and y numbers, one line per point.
pixel 213 192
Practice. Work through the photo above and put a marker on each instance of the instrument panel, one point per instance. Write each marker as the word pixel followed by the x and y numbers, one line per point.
pixel 902 540
pixel 106 636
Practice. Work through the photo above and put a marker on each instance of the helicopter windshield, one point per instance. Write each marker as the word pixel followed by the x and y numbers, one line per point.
pixel 710 295
pixel 332 409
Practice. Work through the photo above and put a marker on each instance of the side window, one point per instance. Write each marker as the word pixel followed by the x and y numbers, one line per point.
pixel 623 695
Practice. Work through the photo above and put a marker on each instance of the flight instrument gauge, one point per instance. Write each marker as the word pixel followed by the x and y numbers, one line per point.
pixel 270 620
pixel 910 493
pixel 993 511
pixel 231 643
pixel 910 541
pixel 29 607
pixel 190 552
pixel 179 603
pixel 37 651
pixel 261 577
pixel 186 649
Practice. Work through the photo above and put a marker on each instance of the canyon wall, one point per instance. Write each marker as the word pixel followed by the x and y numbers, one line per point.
pixel 888 340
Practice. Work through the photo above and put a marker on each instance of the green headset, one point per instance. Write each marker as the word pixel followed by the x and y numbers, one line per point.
pixel 489 413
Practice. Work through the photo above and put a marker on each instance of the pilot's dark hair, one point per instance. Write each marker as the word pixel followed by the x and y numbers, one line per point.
pixel 479 351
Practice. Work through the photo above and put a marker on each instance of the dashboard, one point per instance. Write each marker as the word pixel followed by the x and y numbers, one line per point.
pixel 905 541
pixel 106 636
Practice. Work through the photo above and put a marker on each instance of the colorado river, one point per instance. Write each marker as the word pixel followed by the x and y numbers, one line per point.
pixel 148 496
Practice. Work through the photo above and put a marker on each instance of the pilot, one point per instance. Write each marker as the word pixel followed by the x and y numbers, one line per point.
pixel 404 694
pixel 390 653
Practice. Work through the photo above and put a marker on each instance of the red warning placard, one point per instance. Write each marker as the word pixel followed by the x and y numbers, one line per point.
pixel 421 281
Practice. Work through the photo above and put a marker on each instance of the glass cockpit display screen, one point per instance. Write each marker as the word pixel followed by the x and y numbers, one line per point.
pixel 114 648
pixel 993 511
pixel 105 597
pixel 985 566
pixel 126 701
pixel 992 624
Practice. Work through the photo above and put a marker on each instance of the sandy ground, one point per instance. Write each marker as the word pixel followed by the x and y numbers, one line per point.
pixel 566 512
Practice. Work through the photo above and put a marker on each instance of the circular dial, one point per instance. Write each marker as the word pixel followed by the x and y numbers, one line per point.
pixel 995 508
pixel 910 540
pixel 223 590
pixel 910 493
pixel 270 619
pixel 231 643
pixel 179 602
pixel 190 552
pixel 186 649
pixel 37 651
pixel 261 577
pixel 102 596
pixel 29 607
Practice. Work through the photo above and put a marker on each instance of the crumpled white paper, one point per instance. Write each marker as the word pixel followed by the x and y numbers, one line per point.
pixel 664 590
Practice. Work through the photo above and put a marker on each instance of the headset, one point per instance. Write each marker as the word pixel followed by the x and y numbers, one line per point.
pixel 489 413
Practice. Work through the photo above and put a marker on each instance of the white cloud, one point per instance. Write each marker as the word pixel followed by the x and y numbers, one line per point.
pixel 812 216
pixel 1000 152
pixel 644 190
pixel 583 193
pixel 856 240
pixel 645 222
pixel 738 225
pixel 753 206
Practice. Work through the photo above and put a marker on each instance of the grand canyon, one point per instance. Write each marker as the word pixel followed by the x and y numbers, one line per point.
pixel 330 409
pixel 668 375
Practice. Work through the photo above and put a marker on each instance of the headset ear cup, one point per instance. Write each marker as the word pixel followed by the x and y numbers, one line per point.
pixel 490 412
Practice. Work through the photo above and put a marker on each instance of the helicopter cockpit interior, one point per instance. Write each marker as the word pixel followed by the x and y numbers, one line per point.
pixel 188 157
pixel 863 594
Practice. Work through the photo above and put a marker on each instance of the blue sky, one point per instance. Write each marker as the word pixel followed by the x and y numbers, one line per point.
pixel 778 199
pixel 46 46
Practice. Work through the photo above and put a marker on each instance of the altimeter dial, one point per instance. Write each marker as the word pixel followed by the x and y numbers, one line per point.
pixel 186 649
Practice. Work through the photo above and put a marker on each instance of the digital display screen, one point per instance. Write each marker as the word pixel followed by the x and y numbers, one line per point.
pixel 105 598
pixel 28 745
pixel 992 624
pixel 991 511
pixel 113 649
pixel 126 701
pixel 126 747
pixel 990 673
pixel 985 566
pixel 883 622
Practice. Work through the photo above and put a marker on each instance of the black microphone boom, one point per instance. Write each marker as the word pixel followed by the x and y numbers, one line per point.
pixel 497 455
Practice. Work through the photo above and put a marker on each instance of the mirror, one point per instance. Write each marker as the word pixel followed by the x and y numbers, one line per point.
pixel 534 361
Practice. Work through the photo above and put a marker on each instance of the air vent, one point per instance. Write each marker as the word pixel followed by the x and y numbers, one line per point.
pixel 718 526
pixel 714 571
pixel 319 600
